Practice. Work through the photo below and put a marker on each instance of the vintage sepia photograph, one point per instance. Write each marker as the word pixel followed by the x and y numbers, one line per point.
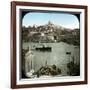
pixel 50 44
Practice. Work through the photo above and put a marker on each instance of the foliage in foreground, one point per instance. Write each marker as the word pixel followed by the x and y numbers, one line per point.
pixel 74 69
pixel 51 70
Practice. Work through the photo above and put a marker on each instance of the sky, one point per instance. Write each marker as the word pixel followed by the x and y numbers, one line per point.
pixel 63 19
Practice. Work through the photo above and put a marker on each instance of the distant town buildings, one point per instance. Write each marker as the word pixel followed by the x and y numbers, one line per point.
pixel 50 33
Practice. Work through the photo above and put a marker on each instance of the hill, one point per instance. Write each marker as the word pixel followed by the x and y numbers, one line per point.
pixel 50 33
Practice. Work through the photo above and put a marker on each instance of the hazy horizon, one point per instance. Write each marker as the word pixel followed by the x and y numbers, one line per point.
pixel 63 19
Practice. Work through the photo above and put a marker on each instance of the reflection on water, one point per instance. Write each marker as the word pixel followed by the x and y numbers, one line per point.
pixel 58 56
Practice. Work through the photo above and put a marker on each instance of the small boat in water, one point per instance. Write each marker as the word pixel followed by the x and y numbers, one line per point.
pixel 68 53
pixel 43 48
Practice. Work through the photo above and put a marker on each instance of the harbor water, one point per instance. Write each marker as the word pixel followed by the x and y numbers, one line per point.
pixel 57 56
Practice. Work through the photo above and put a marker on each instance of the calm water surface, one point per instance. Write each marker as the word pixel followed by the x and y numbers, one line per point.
pixel 57 56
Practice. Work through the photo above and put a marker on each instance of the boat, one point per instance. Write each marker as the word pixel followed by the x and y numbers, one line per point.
pixel 68 53
pixel 43 48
